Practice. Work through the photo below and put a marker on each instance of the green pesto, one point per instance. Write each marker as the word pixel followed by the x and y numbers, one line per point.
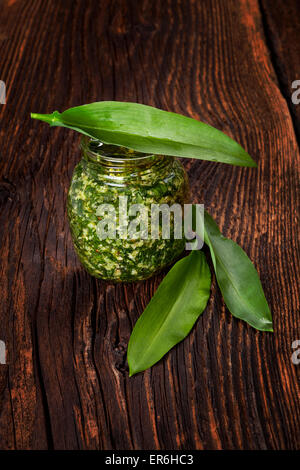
pixel 105 173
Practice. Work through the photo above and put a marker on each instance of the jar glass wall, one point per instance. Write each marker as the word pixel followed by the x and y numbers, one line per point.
pixel 104 174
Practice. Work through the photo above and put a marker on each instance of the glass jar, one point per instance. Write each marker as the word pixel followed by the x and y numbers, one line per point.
pixel 105 173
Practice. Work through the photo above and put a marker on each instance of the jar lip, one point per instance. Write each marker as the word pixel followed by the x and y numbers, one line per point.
pixel 85 146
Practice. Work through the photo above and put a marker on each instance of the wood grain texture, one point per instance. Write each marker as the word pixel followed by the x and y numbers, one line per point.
pixel 66 385
pixel 282 27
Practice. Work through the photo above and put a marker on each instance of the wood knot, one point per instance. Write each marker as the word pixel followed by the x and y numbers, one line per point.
pixel 7 191
pixel 120 351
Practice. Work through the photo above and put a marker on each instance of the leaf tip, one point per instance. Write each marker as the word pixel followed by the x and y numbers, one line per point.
pixel 131 368
pixel 268 327
pixel 250 162
pixel 131 372
pixel 134 367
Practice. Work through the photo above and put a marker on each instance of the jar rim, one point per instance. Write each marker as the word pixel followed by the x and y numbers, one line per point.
pixel 85 147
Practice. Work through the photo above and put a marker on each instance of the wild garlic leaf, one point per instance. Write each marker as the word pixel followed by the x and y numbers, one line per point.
pixel 237 278
pixel 150 130
pixel 169 317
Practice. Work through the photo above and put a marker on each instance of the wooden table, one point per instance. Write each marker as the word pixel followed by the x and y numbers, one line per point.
pixel 66 384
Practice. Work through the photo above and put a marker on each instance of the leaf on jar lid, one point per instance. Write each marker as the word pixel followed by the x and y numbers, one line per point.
pixel 150 130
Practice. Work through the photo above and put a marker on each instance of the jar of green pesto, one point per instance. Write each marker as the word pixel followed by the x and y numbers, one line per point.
pixel 105 173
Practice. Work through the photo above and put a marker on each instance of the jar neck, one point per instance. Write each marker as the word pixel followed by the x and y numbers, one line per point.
pixel 113 160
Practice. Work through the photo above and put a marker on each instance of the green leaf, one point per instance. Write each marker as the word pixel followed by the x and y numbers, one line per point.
pixel 237 278
pixel 150 130
pixel 169 317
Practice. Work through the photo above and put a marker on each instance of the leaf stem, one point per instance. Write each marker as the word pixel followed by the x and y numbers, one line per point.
pixel 51 119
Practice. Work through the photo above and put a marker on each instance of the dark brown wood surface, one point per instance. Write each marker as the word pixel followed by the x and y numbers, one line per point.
pixel 281 22
pixel 66 383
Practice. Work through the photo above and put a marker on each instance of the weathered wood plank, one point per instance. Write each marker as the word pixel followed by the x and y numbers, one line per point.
pixel 282 30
